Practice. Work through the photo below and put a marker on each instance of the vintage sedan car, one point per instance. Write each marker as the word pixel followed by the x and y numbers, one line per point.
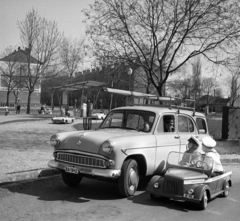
pixel 132 141
pixel 63 120
pixel 98 115
pixel 190 181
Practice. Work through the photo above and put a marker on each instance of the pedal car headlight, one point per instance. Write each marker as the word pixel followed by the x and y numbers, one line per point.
pixel 190 191
pixel 107 147
pixel 54 140
pixel 156 185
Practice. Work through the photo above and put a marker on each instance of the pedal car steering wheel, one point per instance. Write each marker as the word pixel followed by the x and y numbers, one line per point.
pixel 201 164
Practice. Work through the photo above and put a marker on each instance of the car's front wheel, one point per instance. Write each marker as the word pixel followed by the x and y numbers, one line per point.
pixel 129 179
pixel 204 201
pixel 71 179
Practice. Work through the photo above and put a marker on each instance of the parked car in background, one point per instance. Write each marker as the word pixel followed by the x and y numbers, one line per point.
pixel 63 120
pixel 99 115
pixel 191 183
pixel 131 141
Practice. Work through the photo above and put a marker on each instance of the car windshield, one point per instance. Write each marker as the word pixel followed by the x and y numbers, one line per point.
pixel 195 160
pixel 129 119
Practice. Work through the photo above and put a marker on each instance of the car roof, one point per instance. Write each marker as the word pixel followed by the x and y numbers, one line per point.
pixel 160 109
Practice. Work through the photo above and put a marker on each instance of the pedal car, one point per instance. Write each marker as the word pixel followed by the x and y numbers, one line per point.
pixel 189 181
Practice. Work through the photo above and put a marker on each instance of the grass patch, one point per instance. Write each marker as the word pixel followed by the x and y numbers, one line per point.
pixel 228 147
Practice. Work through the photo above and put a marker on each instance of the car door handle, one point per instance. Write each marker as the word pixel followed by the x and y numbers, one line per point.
pixel 176 137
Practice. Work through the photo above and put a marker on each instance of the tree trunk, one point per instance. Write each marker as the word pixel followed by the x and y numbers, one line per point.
pixel 7 102
pixel 29 102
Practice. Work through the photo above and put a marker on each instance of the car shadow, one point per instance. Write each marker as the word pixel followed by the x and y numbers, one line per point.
pixel 179 205
pixel 53 189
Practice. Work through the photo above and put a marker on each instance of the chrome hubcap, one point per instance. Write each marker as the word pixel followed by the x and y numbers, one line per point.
pixel 226 189
pixel 133 179
pixel 205 199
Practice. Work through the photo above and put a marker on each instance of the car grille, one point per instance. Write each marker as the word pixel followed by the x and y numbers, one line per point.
pixel 172 187
pixel 81 160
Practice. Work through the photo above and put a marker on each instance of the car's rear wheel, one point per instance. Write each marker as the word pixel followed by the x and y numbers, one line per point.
pixel 204 201
pixel 226 189
pixel 71 179
pixel 129 179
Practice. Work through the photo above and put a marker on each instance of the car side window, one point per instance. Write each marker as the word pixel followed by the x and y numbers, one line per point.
pixel 166 124
pixel 201 124
pixel 185 124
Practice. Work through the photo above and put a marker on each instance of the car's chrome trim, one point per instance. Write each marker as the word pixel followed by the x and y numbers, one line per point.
pixel 80 160
pixel 107 173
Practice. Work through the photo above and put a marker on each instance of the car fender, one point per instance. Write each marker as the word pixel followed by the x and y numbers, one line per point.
pixel 199 190
pixel 228 179
pixel 150 186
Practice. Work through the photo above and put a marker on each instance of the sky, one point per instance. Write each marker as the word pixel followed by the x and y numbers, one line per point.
pixel 67 13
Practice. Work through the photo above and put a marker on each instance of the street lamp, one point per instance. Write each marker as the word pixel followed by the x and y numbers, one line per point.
pixel 129 72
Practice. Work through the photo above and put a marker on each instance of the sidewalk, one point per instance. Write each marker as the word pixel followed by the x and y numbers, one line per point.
pixel 43 172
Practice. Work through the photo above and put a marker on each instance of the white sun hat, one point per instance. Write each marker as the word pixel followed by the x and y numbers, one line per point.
pixel 208 142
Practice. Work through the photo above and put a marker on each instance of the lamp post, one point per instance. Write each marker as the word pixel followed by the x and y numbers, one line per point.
pixel 129 72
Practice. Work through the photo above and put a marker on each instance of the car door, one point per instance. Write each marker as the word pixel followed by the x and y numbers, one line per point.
pixel 166 142
pixel 186 128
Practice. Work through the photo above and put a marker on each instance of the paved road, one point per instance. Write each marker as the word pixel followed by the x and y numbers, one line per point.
pixel 50 200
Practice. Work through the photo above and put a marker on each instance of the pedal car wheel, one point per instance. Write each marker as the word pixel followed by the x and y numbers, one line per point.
pixel 226 189
pixel 66 122
pixel 71 179
pixel 204 201
pixel 129 179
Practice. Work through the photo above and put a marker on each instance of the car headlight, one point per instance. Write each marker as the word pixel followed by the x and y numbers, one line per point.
pixel 54 140
pixel 156 185
pixel 107 147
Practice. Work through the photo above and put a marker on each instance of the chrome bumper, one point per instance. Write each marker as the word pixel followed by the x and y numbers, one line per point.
pixel 107 173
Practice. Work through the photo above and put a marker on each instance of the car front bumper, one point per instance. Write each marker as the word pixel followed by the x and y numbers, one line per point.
pixel 106 173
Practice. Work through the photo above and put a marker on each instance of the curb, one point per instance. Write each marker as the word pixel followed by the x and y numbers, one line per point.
pixel 27 175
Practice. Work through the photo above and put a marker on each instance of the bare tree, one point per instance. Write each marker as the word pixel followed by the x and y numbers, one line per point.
pixel 234 80
pixel 166 33
pixel 196 74
pixel 72 55
pixel 9 72
pixel 208 86
pixel 41 39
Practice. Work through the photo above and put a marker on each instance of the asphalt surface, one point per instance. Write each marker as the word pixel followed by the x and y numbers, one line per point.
pixel 44 172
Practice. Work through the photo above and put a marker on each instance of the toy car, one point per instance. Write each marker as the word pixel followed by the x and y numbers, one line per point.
pixel 98 116
pixel 62 120
pixel 189 181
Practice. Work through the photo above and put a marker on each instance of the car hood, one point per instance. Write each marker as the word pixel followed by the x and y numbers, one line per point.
pixel 90 141
pixel 185 174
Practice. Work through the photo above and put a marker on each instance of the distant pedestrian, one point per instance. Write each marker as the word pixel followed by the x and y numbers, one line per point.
pixel 18 109
pixel 6 110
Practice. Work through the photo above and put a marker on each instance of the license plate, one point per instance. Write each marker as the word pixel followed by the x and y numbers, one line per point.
pixel 188 196
pixel 71 170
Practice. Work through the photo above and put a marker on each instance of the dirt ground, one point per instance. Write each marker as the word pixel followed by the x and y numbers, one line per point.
pixel 25 145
